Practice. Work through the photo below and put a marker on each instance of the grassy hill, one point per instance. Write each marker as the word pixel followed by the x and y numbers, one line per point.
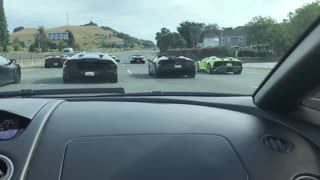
pixel 88 37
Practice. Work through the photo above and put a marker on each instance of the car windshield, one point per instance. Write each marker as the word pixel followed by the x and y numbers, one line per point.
pixel 220 46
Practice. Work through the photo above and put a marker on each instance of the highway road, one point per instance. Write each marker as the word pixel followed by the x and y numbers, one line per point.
pixel 135 78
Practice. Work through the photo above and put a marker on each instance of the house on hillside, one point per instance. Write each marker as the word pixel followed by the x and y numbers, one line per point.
pixel 236 38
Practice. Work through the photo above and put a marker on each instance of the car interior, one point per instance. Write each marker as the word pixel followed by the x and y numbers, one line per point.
pixel 272 135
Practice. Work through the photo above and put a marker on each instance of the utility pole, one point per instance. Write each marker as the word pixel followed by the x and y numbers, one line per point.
pixel 221 37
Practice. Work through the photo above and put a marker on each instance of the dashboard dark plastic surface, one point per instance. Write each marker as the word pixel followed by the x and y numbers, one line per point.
pixel 137 134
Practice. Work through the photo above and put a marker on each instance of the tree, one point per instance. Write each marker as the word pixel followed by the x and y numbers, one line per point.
pixel 303 17
pixel 17 29
pixel 166 39
pixel 280 38
pixel 210 29
pixel 191 32
pixel 90 24
pixel 259 30
pixel 41 40
pixel 61 45
pixel 4 33
pixel 71 40
pixel 163 41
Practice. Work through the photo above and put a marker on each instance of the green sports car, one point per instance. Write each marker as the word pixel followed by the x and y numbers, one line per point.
pixel 220 65
pixel 115 58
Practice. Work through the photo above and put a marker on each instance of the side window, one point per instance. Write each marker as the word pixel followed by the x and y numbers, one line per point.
pixel 3 60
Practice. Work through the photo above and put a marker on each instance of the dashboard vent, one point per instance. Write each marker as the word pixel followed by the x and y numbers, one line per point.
pixel 277 144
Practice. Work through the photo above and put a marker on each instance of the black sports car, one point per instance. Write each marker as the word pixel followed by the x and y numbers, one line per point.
pixel 137 59
pixel 10 71
pixel 90 66
pixel 57 61
pixel 172 65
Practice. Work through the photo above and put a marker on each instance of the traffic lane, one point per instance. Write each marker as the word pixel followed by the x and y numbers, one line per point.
pixel 135 78
pixel 245 83
pixel 125 56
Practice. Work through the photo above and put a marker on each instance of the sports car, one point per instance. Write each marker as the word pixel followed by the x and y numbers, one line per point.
pixel 90 66
pixel 52 61
pixel 10 71
pixel 137 59
pixel 172 65
pixel 115 58
pixel 219 65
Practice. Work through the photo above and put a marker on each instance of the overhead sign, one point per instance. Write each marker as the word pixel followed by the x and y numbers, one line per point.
pixel 58 36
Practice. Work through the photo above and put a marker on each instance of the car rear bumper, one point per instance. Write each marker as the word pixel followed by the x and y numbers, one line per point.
pixel 223 69
pixel 106 74
pixel 137 61
pixel 172 69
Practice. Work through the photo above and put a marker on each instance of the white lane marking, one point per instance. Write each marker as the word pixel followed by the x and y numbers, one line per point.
pixel 28 69
pixel 130 72
pixel 254 87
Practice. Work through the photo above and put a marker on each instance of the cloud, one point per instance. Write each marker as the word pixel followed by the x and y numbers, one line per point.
pixel 143 18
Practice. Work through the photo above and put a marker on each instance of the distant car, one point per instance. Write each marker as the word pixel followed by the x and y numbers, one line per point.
pixel 115 58
pixel 10 71
pixel 214 64
pixel 90 66
pixel 137 59
pixel 55 61
pixel 67 50
pixel 165 65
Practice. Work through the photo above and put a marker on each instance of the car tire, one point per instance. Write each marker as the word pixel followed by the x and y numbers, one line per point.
pixel 155 73
pixel 149 70
pixel 17 76
pixel 191 75
pixel 46 66
pixel 209 69
pixel 66 80
pixel 238 72
pixel 114 78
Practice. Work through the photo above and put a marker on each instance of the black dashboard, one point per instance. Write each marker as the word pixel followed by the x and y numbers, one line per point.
pixel 68 140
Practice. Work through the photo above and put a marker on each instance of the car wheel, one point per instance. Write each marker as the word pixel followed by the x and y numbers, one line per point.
pixel 155 73
pixel 66 80
pixel 46 66
pixel 17 76
pixel 209 69
pixel 191 75
pixel 114 78
pixel 238 72
pixel 149 70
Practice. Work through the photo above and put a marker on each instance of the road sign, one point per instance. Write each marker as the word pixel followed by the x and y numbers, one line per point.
pixel 58 36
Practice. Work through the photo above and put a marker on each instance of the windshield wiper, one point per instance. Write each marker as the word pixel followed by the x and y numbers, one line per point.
pixel 57 92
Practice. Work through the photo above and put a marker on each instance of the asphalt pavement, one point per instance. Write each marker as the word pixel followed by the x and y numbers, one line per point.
pixel 135 78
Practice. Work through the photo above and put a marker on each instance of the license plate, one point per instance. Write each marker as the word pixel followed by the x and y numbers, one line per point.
pixel 89 74
pixel 229 64
pixel 56 64
pixel 178 66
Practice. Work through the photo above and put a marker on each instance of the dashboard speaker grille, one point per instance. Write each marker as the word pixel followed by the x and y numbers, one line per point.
pixel 277 144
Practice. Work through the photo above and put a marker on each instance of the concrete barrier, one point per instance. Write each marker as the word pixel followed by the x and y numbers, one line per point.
pixel 31 63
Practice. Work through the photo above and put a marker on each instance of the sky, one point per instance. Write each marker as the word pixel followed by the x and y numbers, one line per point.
pixel 143 18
